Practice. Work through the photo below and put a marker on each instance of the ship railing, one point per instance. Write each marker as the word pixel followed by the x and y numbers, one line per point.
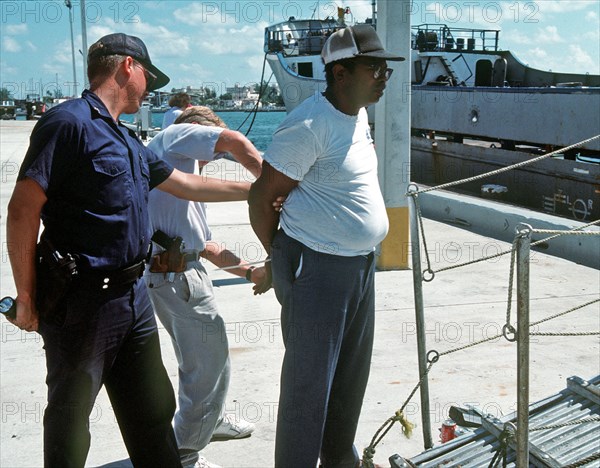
pixel 291 40
pixel 520 258
pixel 440 37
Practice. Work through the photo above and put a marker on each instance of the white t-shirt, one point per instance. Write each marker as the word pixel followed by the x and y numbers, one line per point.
pixel 170 116
pixel 337 207
pixel 183 145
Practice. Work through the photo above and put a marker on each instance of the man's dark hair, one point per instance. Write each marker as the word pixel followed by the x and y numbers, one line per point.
pixel 181 100
pixel 350 64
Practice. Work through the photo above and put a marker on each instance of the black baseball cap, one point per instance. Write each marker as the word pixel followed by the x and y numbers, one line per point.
pixel 360 40
pixel 122 44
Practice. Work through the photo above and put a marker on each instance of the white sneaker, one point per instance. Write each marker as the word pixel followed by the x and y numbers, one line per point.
pixel 229 428
pixel 203 463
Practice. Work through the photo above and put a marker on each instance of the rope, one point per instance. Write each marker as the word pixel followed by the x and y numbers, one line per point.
pixel 566 424
pixel 509 168
pixel 583 233
pixel 584 461
pixel 485 340
pixel 511 275
pixel 475 343
pixel 407 426
pixel 500 456
pixel 504 252
pixel 565 312
pixel 565 333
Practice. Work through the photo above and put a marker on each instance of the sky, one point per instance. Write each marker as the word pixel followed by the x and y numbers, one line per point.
pixel 220 43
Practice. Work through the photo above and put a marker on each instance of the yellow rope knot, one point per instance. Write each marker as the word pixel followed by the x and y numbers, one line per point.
pixel 407 426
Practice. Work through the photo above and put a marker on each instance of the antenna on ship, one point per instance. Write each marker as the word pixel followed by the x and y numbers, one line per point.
pixel 317 8
pixel 374 12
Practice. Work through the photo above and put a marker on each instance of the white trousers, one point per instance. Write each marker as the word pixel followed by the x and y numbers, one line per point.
pixel 187 309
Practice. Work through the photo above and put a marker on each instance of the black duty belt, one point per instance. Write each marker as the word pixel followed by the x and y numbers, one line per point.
pixel 103 279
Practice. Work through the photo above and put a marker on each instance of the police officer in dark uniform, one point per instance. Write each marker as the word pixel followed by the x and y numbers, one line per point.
pixel 87 177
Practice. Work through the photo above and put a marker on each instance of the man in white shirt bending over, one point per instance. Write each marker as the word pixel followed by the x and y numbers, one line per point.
pixel 180 289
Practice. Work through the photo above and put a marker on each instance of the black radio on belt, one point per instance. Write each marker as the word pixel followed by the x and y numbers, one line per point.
pixel 54 274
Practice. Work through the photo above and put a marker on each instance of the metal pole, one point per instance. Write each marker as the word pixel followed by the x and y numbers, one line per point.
pixel 70 7
pixel 523 249
pixel 374 12
pixel 420 322
pixel 84 42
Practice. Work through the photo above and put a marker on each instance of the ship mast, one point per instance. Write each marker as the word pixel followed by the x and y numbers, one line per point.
pixel 374 12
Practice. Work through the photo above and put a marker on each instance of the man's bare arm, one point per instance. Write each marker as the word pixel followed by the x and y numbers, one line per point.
pixel 268 187
pixel 242 150
pixel 204 189
pixel 22 229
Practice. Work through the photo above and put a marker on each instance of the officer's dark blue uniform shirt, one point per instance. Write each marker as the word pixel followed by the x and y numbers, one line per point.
pixel 96 174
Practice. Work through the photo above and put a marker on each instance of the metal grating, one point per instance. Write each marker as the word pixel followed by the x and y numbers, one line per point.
pixel 553 447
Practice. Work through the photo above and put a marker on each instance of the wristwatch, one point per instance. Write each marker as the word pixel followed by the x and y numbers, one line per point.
pixel 249 273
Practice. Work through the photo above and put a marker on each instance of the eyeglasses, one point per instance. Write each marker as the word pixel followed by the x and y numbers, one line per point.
pixel 150 77
pixel 380 70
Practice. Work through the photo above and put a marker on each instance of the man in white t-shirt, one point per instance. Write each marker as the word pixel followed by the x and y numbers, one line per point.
pixel 178 103
pixel 182 296
pixel 322 256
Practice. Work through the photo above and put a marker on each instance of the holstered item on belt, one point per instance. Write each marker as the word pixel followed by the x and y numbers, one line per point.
pixel 167 262
pixel 54 275
pixel 172 259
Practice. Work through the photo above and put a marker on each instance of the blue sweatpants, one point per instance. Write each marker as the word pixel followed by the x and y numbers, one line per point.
pixel 327 319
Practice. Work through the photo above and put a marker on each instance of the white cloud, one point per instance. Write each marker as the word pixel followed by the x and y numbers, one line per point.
pixel 7 70
pixel 160 41
pixel 538 54
pixel 10 44
pixel 581 59
pixel 573 60
pixel 548 35
pixel 562 6
pixel 592 36
pixel 15 29
pixel 248 39
pixel 592 17
pixel 515 37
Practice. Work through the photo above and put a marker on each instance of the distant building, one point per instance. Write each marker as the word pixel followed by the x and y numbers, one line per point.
pixel 242 97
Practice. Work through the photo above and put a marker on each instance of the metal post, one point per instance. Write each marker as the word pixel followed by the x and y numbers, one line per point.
pixel 70 7
pixel 84 42
pixel 420 321
pixel 523 248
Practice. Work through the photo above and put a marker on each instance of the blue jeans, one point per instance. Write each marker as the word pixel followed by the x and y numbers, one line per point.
pixel 187 308
pixel 327 319
pixel 109 338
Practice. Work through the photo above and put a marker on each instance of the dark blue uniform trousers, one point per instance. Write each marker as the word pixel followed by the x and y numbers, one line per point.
pixel 98 337
pixel 327 321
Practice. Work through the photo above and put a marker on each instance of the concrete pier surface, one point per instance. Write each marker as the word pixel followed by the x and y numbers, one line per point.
pixel 462 306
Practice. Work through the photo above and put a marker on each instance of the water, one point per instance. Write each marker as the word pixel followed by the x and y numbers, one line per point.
pixel 260 134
